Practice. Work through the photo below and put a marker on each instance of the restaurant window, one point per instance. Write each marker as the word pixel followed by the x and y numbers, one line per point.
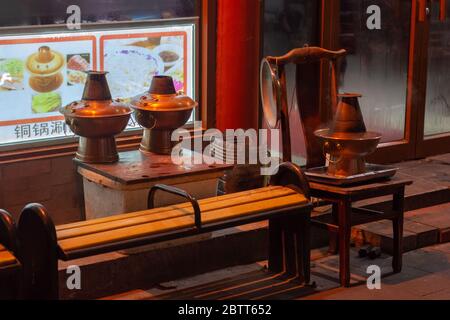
pixel 437 109
pixel 376 64
pixel 290 24
pixel 43 55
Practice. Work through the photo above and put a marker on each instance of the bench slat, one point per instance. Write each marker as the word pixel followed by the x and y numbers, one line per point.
pixel 254 208
pixel 125 216
pixel 6 258
pixel 205 207
pixel 163 226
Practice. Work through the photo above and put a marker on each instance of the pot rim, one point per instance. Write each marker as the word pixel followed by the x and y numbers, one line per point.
pixel 348 136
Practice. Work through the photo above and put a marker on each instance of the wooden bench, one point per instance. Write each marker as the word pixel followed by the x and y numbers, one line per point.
pixel 284 203
pixel 9 263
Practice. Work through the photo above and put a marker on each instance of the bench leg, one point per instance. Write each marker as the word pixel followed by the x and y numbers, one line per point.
pixel 276 248
pixel 297 248
pixel 289 246
pixel 304 235
pixel 344 211
pixel 397 224
pixel 37 237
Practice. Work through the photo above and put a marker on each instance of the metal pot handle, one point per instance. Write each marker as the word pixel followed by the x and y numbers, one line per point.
pixel 154 122
pixel 327 145
pixel 71 123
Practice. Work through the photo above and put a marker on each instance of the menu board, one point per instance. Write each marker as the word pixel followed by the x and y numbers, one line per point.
pixel 41 73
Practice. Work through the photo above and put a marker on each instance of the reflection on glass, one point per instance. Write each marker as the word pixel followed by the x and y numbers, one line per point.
pixel 377 63
pixel 437 110
pixel 43 12
pixel 290 24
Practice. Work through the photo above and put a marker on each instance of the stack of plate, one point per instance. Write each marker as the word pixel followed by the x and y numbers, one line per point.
pixel 246 174
pixel 235 152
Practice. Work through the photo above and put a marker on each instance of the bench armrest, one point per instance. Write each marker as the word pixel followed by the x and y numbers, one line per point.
pixel 178 192
pixel 289 174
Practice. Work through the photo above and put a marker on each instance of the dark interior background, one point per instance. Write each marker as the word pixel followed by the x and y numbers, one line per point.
pixel 43 12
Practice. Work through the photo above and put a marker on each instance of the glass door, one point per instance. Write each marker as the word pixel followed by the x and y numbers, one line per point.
pixel 399 60
pixel 434 120
pixel 378 66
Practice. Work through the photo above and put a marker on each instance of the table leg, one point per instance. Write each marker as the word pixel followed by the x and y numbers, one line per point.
pixel 333 236
pixel 397 223
pixel 344 211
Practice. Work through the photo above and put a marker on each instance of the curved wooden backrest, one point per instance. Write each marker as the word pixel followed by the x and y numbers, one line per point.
pixel 37 236
pixel 316 95
pixel 307 55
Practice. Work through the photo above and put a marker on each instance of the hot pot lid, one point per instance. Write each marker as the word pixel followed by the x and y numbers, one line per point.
pixel 331 135
pixel 96 109
pixel 163 97
pixel 348 116
pixel 270 93
pixel 154 102
pixel 45 61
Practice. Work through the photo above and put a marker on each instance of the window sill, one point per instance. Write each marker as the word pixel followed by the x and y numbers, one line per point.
pixel 66 149
pixel 124 143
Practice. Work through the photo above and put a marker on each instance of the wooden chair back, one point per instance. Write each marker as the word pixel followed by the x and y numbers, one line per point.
pixel 316 96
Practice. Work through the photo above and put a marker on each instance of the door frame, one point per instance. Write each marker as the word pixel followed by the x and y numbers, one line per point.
pixel 434 144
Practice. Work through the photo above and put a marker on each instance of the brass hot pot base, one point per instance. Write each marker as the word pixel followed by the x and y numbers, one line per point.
pixel 157 141
pixel 95 150
pixel 347 150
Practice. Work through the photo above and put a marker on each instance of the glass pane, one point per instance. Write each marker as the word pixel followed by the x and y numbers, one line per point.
pixel 290 24
pixel 42 12
pixel 30 96
pixel 437 110
pixel 377 63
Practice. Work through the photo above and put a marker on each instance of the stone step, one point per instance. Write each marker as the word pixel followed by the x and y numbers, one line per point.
pixel 422 228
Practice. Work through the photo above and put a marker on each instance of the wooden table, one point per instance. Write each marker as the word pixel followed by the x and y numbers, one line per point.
pixel 122 187
pixel 343 216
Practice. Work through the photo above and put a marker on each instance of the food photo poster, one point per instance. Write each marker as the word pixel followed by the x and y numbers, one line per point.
pixel 41 73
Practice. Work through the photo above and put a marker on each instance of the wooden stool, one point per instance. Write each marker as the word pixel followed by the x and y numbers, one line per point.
pixel 344 217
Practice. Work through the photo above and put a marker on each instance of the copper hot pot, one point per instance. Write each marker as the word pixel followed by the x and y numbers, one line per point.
pixel 347 141
pixel 161 111
pixel 96 118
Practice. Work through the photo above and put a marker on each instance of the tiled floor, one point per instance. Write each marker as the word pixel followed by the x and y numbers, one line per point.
pixel 426 275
